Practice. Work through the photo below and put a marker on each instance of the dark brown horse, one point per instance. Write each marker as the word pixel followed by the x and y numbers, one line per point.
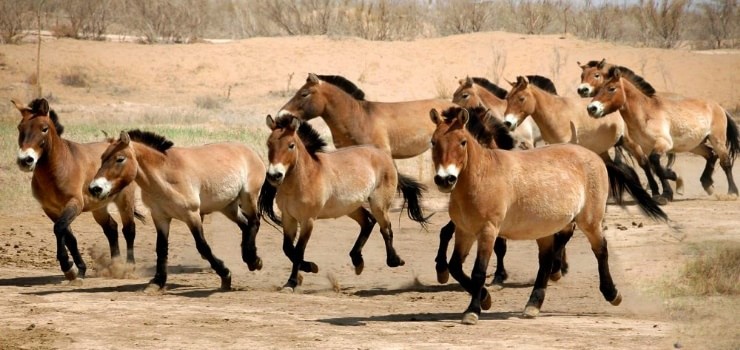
pixel 61 171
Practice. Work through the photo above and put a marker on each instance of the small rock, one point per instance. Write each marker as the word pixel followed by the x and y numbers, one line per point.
pixel 16 246
pixel 31 326
pixel 677 345
pixel 634 223
pixel 639 225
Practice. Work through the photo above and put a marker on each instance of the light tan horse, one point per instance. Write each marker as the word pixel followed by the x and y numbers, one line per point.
pixel 480 92
pixel 61 171
pixel 309 184
pixel 592 79
pixel 186 184
pixel 524 195
pixel 401 128
pixel 662 125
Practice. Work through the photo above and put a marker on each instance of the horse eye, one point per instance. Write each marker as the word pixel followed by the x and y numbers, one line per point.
pixel 597 76
pixel 612 88
pixel 521 98
pixel 291 146
pixel 305 93
pixel 120 159
pixel 463 143
pixel 432 142
pixel 466 96
pixel 44 129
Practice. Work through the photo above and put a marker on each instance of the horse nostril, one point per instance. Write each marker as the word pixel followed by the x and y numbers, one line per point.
pixel 507 124
pixel 438 180
pixel 592 109
pixel 451 179
pixel 28 160
pixel 95 190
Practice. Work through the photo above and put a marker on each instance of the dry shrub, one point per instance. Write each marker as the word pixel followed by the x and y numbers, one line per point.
pixel 74 77
pixel 713 269
pixel 32 79
pixel 167 21
pixel 88 19
pixel 721 18
pixel 661 21
pixel 442 87
pixel 381 20
pixel 464 16
pixel 208 102
pixel 15 16
pixel 534 16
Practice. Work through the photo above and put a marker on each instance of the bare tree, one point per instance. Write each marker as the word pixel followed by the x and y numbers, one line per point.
pixel 300 17
pixel 463 16
pixel 533 15
pixel 661 20
pixel 721 19
pixel 15 16
pixel 88 19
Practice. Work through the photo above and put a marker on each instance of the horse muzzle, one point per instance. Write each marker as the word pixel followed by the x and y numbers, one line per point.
pixel 26 164
pixel 445 184
pixel 595 109
pixel 100 188
pixel 585 91
pixel 275 178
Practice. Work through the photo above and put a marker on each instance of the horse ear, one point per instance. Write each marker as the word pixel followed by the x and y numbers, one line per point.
pixel 295 123
pixel 125 139
pixel 463 116
pixel 513 84
pixel 521 81
pixel 270 122
pixel 582 66
pixel 21 108
pixel 312 78
pixel 434 115
pixel 617 73
pixel 601 64
pixel 468 82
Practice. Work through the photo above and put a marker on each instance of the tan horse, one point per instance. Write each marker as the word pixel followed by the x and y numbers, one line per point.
pixel 480 92
pixel 592 79
pixel 61 171
pixel 401 128
pixel 309 184
pixel 662 125
pixel 523 195
pixel 186 184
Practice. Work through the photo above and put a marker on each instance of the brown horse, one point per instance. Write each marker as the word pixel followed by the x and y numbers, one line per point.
pixel 662 125
pixel 401 128
pixel 480 92
pixel 592 79
pixel 491 133
pixel 524 195
pixel 309 184
pixel 186 184
pixel 61 171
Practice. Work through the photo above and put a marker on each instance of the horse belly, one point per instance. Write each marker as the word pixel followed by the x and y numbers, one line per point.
pixel 686 138
pixel 343 203
pixel 522 228
pixel 216 196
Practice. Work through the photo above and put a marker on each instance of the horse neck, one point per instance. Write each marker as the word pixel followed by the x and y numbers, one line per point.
pixel 343 115
pixel 554 125
pixel 492 102
pixel 304 171
pixel 480 161
pixel 58 161
pixel 151 164
pixel 633 109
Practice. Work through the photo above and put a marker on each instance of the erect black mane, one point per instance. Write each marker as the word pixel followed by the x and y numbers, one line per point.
pixel 635 79
pixel 309 136
pixel 542 83
pixel 38 105
pixel 495 131
pixel 158 142
pixel 493 88
pixel 592 64
pixel 344 84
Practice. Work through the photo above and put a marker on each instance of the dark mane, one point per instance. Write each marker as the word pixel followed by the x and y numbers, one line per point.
pixel 158 142
pixel 309 136
pixel 344 84
pixel 542 83
pixel 635 79
pixel 37 107
pixel 592 64
pixel 493 88
pixel 492 131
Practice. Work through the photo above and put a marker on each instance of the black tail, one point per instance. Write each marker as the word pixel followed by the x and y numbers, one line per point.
pixel 622 177
pixel 733 136
pixel 412 191
pixel 139 216
pixel 266 203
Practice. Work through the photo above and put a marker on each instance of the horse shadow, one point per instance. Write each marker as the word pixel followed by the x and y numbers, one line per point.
pixel 434 288
pixel 31 281
pixel 445 317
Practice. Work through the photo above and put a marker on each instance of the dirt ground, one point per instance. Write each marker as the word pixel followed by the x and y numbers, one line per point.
pixel 382 308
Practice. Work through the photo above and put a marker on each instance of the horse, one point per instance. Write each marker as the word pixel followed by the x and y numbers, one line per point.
pixel 661 125
pixel 400 128
pixel 186 183
pixel 61 170
pixel 524 195
pixel 491 133
pixel 309 184
pixel 477 91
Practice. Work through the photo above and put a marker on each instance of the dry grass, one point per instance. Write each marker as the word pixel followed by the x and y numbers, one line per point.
pixel 209 102
pixel 442 87
pixel 713 269
pixel 74 77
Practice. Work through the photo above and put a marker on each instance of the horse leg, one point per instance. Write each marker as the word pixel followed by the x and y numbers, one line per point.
pixel 500 275
pixel 298 254
pixel 560 263
pixel 636 151
pixel 546 256
pixel 706 176
pixel 196 229
pixel 664 176
pixel 249 227
pixel 367 222
pixel 392 258
pixel 110 229
pixel 65 239
pixel 162 225
pixel 445 235
pixel 475 284
pixel 126 210
pixel 598 246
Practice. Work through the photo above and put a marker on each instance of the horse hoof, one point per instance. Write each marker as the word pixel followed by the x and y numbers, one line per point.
pixel 679 185
pixel 617 300
pixel 470 318
pixel 395 262
pixel 443 276
pixel 485 304
pixel 153 289
pixel 77 282
pixel 287 289
pixel 226 282
pixel 531 311
pixel 661 200
pixel 709 189
pixel 555 276
pixel 255 265
pixel 314 268
pixel 359 268
pixel 71 274
pixel 497 286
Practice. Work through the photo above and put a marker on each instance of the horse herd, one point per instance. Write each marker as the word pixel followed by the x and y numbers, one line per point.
pixel 496 192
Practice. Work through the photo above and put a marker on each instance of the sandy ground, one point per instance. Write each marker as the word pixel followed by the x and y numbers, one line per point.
pixel 383 308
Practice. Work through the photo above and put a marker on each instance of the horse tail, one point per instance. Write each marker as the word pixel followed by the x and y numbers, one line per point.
pixel 622 177
pixel 733 136
pixel 412 192
pixel 139 216
pixel 266 203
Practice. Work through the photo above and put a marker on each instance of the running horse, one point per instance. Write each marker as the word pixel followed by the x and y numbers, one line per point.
pixel 524 195
pixel 592 79
pixel 61 171
pixel 309 184
pixel 661 125
pixel 187 183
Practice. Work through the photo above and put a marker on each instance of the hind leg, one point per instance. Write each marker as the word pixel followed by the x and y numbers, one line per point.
pixel 249 226
pixel 664 175
pixel 636 151
pixel 592 229
pixel 367 222
pixel 196 229
pixel 65 239
pixel 500 275
pixel 546 256
pixel 480 298
pixel 125 205
pixel 445 235
pixel 706 176
pixel 162 225
pixel 560 262
pixel 110 229
pixel 392 258
pixel 298 253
